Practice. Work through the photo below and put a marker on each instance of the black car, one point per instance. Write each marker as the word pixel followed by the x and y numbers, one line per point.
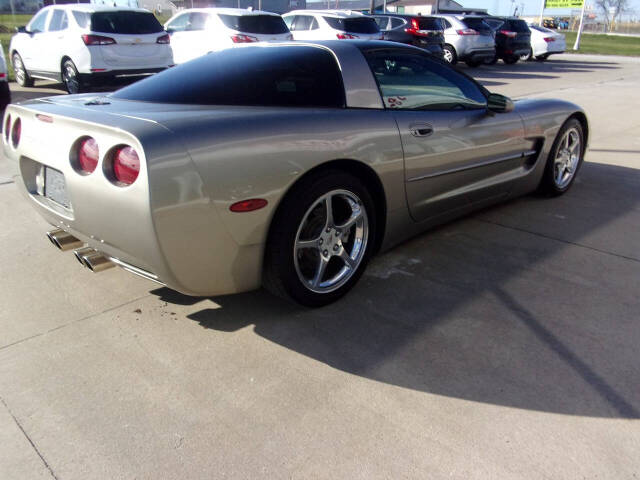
pixel 421 31
pixel 5 95
pixel 513 38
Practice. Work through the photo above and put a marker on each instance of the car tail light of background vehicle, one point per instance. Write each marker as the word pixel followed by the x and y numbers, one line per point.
pixel 3 75
pixel 508 33
pixel 240 38
pixel 549 39
pixel 164 39
pixel 16 132
pixel 467 31
pixel 7 127
pixel 415 29
pixel 88 155
pixel 126 165
pixel 346 36
pixel 97 40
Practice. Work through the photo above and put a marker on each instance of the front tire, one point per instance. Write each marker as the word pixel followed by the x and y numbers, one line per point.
pixel 565 159
pixel 22 77
pixel 321 239
pixel 449 55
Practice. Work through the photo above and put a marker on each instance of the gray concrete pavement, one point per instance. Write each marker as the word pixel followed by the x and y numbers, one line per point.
pixel 503 345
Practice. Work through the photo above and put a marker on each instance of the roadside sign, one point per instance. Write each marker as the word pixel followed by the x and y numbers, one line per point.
pixel 564 3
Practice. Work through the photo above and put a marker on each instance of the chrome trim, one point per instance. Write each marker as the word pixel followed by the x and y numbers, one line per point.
pixel 135 270
pixel 476 165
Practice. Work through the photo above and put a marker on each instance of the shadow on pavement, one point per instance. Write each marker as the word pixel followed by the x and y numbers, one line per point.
pixel 485 311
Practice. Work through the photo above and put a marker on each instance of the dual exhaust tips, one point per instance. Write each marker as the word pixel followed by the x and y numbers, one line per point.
pixel 87 256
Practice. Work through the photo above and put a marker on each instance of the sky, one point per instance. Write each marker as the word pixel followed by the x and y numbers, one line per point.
pixel 531 7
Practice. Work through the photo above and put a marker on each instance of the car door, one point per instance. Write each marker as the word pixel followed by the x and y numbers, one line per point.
pixel 31 50
pixel 456 152
pixel 180 38
pixel 53 41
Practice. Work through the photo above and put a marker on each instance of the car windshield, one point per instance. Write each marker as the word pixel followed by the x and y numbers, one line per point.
pixel 477 24
pixel 296 76
pixel 429 23
pixel 126 22
pixel 266 24
pixel 353 25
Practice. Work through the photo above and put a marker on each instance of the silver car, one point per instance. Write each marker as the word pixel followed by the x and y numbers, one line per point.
pixel 285 165
pixel 468 39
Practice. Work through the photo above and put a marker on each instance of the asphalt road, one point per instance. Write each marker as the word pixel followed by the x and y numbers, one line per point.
pixel 503 345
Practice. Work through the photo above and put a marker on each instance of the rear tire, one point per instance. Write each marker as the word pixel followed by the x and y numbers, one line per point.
pixel 71 78
pixel 491 61
pixel 510 60
pixel 449 54
pixel 565 159
pixel 542 58
pixel 22 76
pixel 313 258
pixel 527 56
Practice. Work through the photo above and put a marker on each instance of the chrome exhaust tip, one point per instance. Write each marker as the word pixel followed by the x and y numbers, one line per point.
pixel 81 252
pixel 96 261
pixel 63 240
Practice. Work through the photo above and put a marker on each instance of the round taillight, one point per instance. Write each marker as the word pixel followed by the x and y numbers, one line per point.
pixel 88 155
pixel 126 165
pixel 7 127
pixel 16 132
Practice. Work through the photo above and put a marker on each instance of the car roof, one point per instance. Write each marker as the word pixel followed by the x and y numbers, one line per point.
pixel 91 7
pixel 403 15
pixel 329 13
pixel 229 11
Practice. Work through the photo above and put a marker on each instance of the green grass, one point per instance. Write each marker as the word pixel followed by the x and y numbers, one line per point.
pixel 604 44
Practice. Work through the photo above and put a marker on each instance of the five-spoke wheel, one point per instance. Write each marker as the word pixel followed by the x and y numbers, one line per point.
pixel 564 159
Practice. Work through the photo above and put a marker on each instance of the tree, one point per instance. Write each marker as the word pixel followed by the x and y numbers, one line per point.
pixel 611 9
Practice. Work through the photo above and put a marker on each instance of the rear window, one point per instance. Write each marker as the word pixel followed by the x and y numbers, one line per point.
pixel 266 24
pixel 428 23
pixel 128 23
pixel 353 25
pixel 517 26
pixel 477 24
pixel 288 76
pixel 540 29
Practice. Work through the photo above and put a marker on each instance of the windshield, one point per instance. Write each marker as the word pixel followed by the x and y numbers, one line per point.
pixel 266 24
pixel 353 25
pixel 129 23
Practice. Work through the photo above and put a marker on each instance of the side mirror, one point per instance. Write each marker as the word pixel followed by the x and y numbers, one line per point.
pixel 499 103
pixel 21 29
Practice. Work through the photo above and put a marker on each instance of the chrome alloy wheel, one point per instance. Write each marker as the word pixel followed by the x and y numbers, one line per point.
pixel 19 71
pixel 567 158
pixel 331 241
pixel 447 55
pixel 70 78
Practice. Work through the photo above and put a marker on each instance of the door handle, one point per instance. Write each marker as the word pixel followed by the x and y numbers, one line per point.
pixel 421 130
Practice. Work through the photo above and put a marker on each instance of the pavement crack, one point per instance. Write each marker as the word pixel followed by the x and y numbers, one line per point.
pixel 549 237
pixel 60 327
pixel 7 182
pixel 26 435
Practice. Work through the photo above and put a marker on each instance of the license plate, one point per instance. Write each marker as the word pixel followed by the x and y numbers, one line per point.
pixel 55 187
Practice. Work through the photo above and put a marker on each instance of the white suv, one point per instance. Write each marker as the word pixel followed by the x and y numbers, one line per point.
pixel 198 31
pixel 331 24
pixel 80 44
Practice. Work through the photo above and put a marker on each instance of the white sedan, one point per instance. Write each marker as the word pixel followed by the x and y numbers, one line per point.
pixel 544 42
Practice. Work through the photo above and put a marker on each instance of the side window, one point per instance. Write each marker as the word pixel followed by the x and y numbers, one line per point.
pixel 446 23
pixel 38 22
pixel 58 21
pixel 288 21
pixel 382 22
pixel 179 24
pixel 302 22
pixel 82 18
pixel 197 21
pixel 314 25
pixel 409 81
pixel 397 22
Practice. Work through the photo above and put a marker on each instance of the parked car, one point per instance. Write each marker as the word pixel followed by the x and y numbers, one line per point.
pixel 331 24
pixel 198 31
pixel 468 39
pixel 544 42
pixel 85 44
pixel 421 31
pixel 5 93
pixel 513 38
pixel 286 165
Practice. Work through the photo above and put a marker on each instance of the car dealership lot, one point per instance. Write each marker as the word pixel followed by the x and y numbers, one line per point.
pixel 503 345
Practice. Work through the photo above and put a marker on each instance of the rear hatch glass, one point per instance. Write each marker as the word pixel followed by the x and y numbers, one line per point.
pixel 519 26
pixel 477 24
pixel 429 24
pixel 125 22
pixel 266 24
pixel 353 25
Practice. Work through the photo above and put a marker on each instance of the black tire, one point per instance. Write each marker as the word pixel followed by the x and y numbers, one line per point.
pixel 527 56
pixel 22 76
pixel 449 54
pixel 281 273
pixel 511 60
pixel 548 184
pixel 473 63
pixel 70 78
pixel 542 58
pixel 491 61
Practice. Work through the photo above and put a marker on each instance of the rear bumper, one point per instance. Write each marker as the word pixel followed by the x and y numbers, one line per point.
pixel 110 74
pixel 479 54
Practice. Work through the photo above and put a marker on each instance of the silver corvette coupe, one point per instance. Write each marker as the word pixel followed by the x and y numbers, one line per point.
pixel 285 165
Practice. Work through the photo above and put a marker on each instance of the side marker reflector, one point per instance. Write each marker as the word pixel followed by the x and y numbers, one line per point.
pixel 248 205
